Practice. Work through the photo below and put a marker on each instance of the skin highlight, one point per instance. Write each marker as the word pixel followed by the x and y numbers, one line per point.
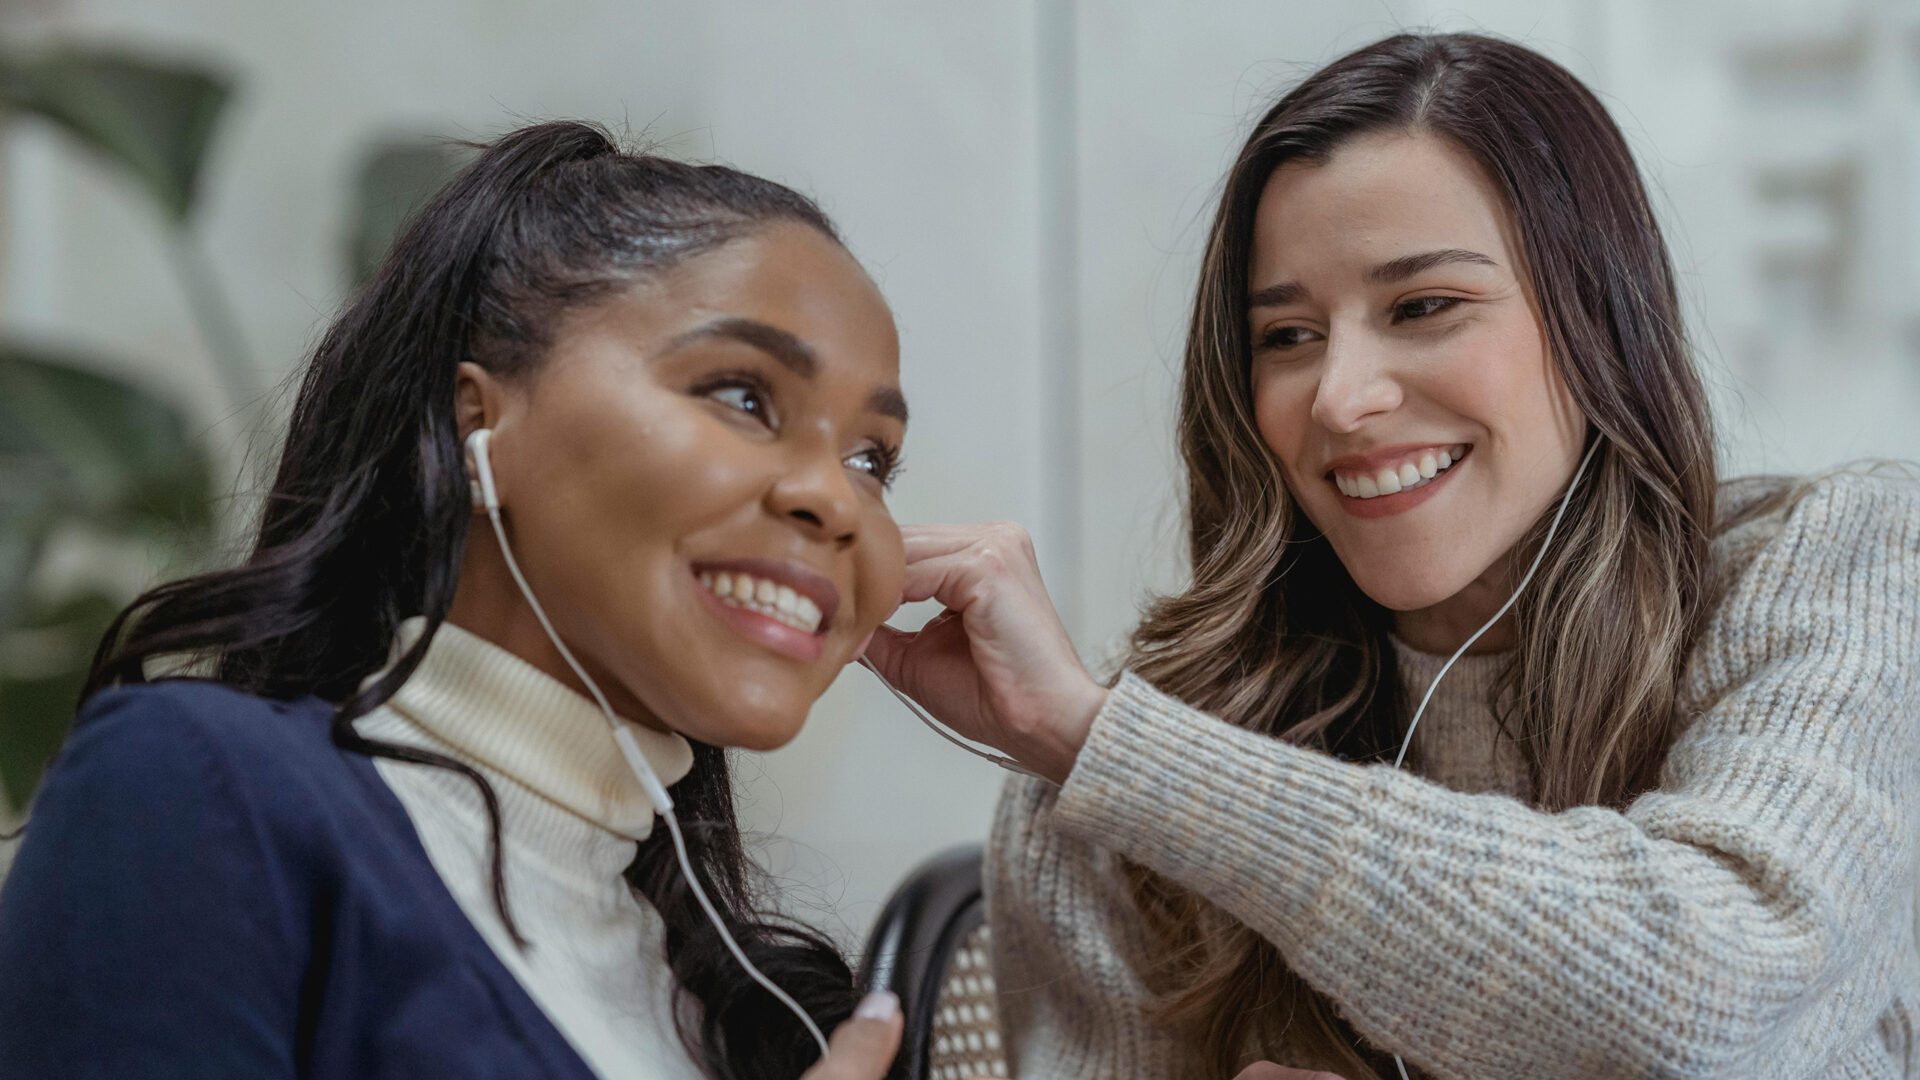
pixel 741 406
pixel 1389 313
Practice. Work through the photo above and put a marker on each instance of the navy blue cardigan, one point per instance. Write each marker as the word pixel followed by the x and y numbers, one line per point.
pixel 209 888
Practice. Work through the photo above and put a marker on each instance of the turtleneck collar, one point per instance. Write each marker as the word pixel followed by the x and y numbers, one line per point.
pixel 1464 689
pixel 502 712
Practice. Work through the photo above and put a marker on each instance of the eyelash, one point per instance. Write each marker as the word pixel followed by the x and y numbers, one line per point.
pixel 886 468
pixel 741 380
pixel 1438 305
pixel 1433 305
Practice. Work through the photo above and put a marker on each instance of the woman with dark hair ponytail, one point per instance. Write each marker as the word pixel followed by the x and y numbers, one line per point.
pixel 388 834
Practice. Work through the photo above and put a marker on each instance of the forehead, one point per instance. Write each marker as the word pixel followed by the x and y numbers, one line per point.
pixel 1378 197
pixel 788 276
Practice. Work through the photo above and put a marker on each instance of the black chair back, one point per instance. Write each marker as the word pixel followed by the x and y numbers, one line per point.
pixel 911 947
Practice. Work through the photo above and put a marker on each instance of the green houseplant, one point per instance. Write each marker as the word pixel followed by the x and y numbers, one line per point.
pixel 86 454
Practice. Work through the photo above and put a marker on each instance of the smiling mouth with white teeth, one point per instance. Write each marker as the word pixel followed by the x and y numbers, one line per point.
pixel 762 597
pixel 1415 470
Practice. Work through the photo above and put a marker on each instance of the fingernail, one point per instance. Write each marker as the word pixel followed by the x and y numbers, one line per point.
pixel 879 1005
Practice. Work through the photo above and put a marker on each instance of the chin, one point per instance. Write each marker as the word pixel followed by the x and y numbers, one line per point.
pixel 739 725
pixel 1404 592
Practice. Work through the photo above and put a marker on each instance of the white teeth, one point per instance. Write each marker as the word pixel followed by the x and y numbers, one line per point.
pixel 780 603
pixel 1402 477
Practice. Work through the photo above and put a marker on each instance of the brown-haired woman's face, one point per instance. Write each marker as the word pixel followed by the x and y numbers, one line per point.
pixel 1402 376
pixel 694 481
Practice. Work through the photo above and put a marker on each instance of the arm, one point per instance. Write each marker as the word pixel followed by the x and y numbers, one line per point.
pixel 144 929
pixel 1068 950
pixel 1732 922
pixel 1747 918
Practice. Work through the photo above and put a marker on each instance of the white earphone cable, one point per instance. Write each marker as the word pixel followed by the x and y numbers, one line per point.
pixel 656 792
pixel 1552 527
pixel 914 707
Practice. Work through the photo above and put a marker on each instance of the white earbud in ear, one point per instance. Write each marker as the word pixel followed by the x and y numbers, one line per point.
pixel 488 498
pixel 485 497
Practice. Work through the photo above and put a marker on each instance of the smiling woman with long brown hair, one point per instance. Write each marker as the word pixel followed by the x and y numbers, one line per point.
pixel 391 836
pixel 1658 818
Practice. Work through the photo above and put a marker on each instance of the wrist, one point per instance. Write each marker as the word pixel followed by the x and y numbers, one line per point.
pixel 1056 755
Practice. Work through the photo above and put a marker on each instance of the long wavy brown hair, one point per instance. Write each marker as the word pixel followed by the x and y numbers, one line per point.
pixel 1589 692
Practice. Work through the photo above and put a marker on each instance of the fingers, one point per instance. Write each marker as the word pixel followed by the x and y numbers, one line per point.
pixel 863 1047
pixel 928 541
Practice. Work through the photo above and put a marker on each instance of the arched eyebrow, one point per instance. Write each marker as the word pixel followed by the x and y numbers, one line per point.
pixel 1397 270
pixel 786 348
pixel 783 345
pixel 1391 272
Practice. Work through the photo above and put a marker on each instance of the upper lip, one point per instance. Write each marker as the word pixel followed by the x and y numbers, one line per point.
pixel 799 577
pixel 1374 460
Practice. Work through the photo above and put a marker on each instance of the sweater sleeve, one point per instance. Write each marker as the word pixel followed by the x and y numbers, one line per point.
pixel 144 928
pixel 1744 919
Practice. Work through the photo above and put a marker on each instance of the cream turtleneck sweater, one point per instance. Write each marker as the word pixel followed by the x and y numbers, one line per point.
pixel 571 813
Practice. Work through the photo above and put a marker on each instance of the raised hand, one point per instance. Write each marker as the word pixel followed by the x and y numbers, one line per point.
pixel 997 665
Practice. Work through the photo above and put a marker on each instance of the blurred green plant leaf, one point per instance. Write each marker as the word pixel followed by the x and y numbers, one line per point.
pixel 43 664
pixel 85 448
pixel 119 456
pixel 397 176
pixel 154 119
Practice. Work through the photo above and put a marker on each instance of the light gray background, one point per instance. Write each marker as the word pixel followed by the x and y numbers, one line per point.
pixel 1029 182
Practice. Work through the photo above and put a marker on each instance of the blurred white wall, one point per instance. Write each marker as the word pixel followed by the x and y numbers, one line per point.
pixel 1029 182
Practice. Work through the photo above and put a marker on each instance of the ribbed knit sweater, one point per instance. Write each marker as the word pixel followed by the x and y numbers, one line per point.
pixel 571 813
pixel 1754 916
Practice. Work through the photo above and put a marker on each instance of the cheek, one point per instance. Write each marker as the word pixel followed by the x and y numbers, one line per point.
pixel 881 567
pixel 1283 412
pixel 1502 377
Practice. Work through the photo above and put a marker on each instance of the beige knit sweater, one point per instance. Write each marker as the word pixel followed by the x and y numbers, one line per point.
pixel 1753 917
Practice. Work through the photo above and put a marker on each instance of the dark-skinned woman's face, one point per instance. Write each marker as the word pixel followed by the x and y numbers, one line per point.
pixel 694 482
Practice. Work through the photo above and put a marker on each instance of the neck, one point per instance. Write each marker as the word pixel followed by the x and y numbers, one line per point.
pixel 488 605
pixel 1441 628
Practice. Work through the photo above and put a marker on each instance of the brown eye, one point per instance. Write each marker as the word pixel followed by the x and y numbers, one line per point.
pixel 743 395
pixel 1423 307
pixel 880 462
pixel 1286 337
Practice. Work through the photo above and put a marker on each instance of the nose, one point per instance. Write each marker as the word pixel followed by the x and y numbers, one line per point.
pixel 1356 382
pixel 816 496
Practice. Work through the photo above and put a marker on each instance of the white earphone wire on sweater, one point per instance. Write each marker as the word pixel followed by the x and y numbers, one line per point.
pixel 1552 527
pixel 637 761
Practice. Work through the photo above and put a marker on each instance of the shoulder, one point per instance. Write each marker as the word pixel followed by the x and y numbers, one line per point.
pixel 184 739
pixel 1814 580
pixel 1800 532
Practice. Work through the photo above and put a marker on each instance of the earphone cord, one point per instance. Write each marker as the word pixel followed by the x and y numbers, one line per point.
pixel 914 707
pixel 1538 556
pixel 655 791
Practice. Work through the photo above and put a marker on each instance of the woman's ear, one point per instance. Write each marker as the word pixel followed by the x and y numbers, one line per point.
pixel 477 398
pixel 477 404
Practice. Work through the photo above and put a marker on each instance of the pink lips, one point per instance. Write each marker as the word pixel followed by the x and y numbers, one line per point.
pixel 769 632
pixel 1381 506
